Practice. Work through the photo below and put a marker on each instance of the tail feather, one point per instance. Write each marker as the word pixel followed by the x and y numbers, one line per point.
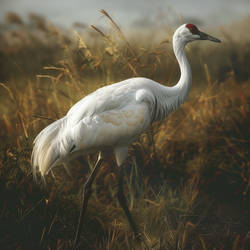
pixel 49 148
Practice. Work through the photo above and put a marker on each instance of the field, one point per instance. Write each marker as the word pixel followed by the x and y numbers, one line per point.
pixel 188 178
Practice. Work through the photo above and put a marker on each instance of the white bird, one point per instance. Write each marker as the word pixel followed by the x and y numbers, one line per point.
pixel 112 117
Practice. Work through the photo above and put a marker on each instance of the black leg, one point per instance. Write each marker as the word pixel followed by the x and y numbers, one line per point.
pixel 123 202
pixel 86 196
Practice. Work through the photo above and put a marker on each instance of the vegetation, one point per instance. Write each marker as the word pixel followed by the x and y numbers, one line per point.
pixel 188 178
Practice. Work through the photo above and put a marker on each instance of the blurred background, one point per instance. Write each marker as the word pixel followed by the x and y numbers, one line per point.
pixel 188 177
pixel 131 14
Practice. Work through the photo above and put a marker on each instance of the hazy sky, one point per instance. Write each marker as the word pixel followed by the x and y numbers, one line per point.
pixel 128 12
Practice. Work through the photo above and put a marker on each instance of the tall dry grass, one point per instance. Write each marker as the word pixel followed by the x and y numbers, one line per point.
pixel 187 180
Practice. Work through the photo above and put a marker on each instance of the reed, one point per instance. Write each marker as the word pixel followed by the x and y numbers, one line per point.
pixel 188 177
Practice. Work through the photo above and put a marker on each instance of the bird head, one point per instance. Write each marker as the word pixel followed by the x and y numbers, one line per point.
pixel 189 32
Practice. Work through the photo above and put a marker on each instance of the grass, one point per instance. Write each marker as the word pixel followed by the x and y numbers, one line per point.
pixel 188 178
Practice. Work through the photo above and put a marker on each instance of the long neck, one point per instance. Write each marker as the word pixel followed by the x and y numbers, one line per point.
pixel 170 98
pixel 184 83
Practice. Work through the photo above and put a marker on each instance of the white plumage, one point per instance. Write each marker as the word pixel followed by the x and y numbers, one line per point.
pixel 114 116
pixel 111 118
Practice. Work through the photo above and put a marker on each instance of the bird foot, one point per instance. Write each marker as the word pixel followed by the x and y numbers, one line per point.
pixel 139 237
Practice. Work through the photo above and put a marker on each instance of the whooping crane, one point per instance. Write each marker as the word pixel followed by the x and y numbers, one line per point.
pixel 113 117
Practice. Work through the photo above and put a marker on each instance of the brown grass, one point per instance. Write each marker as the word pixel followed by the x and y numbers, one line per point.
pixel 188 177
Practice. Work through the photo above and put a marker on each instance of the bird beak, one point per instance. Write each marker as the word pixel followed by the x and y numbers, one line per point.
pixel 204 36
